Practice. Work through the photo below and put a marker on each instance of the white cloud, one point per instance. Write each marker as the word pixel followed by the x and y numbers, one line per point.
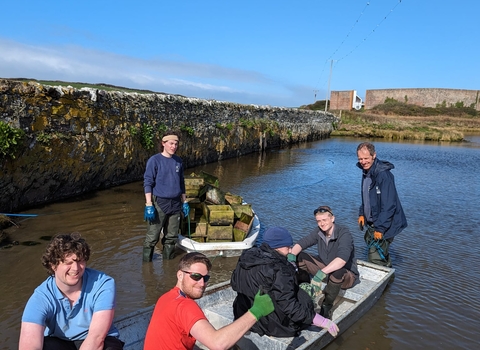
pixel 74 63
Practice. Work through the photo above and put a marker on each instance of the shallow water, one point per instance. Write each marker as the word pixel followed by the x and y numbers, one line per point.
pixel 432 303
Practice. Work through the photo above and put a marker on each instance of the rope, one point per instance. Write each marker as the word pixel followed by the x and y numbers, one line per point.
pixel 375 243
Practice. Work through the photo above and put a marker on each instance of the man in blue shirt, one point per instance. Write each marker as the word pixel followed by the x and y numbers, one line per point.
pixel 165 198
pixel 74 307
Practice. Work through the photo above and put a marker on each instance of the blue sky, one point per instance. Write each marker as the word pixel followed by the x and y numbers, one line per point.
pixel 260 52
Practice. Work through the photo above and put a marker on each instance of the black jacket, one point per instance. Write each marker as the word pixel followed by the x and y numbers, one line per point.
pixel 263 267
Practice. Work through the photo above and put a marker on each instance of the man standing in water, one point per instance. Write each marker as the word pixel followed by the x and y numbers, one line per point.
pixel 381 210
pixel 165 198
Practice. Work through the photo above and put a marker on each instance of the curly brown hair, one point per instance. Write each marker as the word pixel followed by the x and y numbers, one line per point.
pixel 62 245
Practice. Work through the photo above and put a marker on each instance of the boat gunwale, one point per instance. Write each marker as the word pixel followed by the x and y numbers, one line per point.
pixel 322 339
pixel 189 245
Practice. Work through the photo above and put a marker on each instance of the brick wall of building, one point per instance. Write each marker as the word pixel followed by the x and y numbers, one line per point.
pixel 341 100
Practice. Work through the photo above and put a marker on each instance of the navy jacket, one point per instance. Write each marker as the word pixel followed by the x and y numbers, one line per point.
pixel 386 209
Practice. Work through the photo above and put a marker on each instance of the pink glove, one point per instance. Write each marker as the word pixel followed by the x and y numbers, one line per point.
pixel 325 323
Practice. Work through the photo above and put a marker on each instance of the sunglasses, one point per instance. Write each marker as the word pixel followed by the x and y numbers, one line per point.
pixel 198 276
pixel 322 210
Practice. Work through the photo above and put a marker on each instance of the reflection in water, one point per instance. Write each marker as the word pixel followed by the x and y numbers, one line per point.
pixel 435 257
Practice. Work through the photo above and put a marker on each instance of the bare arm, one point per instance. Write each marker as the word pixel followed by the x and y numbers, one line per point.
pixel 99 327
pixel 335 265
pixel 296 249
pixel 225 337
pixel 148 198
pixel 31 336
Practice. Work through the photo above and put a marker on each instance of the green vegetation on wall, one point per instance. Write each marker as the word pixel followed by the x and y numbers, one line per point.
pixel 188 129
pixel 10 138
pixel 147 136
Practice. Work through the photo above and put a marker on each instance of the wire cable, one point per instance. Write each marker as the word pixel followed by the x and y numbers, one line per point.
pixel 358 45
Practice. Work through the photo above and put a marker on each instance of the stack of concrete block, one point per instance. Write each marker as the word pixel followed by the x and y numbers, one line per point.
pixel 215 216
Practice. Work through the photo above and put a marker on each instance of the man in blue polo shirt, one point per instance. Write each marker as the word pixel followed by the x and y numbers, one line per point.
pixel 74 307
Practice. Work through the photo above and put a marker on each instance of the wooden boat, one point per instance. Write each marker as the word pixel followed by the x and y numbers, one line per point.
pixel 217 302
pixel 225 249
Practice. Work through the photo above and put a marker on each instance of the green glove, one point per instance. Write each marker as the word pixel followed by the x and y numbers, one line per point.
pixel 291 257
pixel 318 278
pixel 262 305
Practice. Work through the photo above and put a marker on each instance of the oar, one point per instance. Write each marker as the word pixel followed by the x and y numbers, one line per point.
pixel 21 215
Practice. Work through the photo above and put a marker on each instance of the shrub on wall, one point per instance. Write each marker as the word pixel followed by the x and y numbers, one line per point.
pixel 147 136
pixel 9 139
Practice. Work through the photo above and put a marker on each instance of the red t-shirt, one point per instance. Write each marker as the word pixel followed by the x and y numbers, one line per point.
pixel 172 319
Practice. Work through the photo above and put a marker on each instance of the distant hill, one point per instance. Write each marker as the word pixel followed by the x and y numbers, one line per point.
pixel 99 86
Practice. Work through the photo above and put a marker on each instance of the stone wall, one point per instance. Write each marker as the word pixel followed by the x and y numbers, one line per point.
pixel 424 97
pixel 83 140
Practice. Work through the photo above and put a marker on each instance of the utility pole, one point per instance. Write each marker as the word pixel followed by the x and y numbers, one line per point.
pixel 328 89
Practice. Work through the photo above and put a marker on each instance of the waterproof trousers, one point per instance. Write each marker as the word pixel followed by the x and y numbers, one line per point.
pixel 378 249
pixel 170 223
pixel 311 264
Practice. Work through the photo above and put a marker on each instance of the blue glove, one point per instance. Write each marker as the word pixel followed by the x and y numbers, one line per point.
pixel 185 209
pixel 149 213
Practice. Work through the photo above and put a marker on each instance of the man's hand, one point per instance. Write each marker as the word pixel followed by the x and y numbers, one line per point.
pixel 325 323
pixel 361 222
pixel 149 214
pixel 318 278
pixel 185 209
pixel 377 235
pixel 262 305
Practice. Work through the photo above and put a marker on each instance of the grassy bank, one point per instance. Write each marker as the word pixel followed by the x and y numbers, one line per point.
pixel 100 86
pixel 401 121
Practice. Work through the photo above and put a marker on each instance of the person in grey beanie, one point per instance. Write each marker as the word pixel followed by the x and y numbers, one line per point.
pixel 266 268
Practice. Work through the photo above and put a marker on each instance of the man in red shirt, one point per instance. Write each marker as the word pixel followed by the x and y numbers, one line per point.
pixel 177 321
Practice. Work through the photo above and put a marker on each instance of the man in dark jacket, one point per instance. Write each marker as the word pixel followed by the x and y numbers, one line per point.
pixel 381 210
pixel 266 268
pixel 334 263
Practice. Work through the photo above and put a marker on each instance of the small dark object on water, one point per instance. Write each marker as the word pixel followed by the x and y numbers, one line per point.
pixel 8 245
pixel 46 238
pixel 30 243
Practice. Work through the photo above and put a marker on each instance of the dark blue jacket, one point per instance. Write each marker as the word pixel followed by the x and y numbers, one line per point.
pixel 387 212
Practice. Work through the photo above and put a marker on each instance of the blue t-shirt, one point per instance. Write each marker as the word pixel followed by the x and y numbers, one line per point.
pixel 48 307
